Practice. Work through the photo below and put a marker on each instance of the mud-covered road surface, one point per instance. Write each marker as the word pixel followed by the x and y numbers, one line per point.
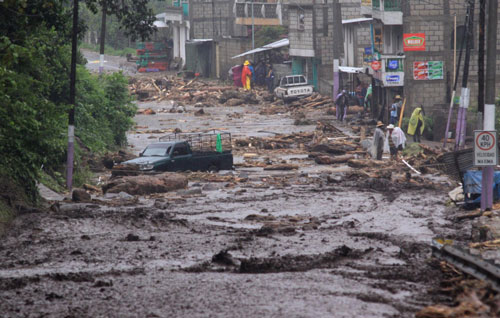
pixel 320 241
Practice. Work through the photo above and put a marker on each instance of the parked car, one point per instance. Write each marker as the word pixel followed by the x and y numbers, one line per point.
pixel 293 87
pixel 180 152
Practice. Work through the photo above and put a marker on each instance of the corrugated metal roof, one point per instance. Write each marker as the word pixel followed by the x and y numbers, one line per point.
pixel 358 20
pixel 270 46
pixel 349 69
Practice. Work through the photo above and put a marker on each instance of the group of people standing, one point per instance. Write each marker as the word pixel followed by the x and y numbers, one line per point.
pixel 395 139
pixel 262 74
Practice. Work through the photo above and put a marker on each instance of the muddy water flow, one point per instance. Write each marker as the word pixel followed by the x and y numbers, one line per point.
pixel 278 243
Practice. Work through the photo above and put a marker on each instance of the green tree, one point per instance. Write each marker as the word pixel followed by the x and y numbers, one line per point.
pixel 34 85
pixel 269 34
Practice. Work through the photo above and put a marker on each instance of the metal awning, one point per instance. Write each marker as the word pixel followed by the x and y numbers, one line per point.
pixel 270 46
pixel 358 20
pixel 159 24
pixel 349 69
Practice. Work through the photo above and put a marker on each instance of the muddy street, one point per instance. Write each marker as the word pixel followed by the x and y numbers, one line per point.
pixel 310 241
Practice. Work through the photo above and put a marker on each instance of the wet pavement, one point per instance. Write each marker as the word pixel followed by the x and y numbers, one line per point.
pixel 315 242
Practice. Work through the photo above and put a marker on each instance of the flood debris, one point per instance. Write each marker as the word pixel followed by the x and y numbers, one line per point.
pixel 297 263
pixel 80 195
pixel 473 298
pixel 146 184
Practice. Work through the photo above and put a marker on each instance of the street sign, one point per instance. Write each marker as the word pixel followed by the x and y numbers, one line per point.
pixel 485 148
pixel 376 65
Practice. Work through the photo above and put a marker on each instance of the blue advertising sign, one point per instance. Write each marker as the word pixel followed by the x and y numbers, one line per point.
pixel 368 50
pixel 392 64
pixel 393 78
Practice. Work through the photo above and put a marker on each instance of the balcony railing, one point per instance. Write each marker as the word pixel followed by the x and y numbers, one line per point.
pixel 389 5
pixel 392 5
pixel 261 10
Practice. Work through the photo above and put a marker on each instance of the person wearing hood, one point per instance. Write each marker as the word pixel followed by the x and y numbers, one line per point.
pixel 246 76
pixel 342 103
pixel 396 140
pixel 378 141
pixel 416 126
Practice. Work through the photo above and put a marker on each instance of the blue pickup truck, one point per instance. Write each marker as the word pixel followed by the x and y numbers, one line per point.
pixel 181 152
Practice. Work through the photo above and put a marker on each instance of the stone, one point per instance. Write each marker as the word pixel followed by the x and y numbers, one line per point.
pixel 147 184
pixel 80 195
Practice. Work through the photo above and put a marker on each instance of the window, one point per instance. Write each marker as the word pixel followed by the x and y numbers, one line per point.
pixel 180 150
pixel 296 80
pixel 301 21
pixel 461 37
pixel 302 79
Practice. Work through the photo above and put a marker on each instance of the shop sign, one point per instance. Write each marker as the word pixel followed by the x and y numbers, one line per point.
pixel 414 42
pixel 393 79
pixel 428 70
pixel 376 65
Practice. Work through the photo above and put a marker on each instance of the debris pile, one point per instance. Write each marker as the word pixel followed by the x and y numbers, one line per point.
pixel 146 184
pixel 473 297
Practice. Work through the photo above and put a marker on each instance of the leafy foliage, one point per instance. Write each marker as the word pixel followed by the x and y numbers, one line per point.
pixel 269 34
pixel 34 85
pixel 134 16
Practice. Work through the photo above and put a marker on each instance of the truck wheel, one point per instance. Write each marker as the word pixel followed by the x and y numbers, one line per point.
pixel 213 168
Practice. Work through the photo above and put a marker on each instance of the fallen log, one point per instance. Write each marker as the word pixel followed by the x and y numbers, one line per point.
pixel 328 160
pixel 282 166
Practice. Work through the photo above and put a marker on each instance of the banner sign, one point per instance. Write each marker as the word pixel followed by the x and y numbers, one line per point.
pixel 428 70
pixel 414 42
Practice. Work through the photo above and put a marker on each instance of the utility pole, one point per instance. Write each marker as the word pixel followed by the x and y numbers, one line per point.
pixel 465 92
pixel 338 45
pixel 489 118
pixel 456 72
pixel 480 59
pixel 72 93
pixel 253 29
pixel 103 36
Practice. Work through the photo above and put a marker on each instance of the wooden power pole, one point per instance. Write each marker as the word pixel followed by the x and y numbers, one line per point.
pixel 489 115
pixel 72 94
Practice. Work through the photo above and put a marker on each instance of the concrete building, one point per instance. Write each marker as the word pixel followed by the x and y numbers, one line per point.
pixel 428 74
pixel 174 18
pixel 311 32
pixel 228 23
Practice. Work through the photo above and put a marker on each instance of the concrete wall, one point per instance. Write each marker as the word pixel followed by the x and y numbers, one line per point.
pixel 436 21
pixel 210 20
pixel 229 48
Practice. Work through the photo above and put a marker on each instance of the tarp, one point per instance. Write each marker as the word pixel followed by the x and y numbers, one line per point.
pixel 472 186
pixel 270 46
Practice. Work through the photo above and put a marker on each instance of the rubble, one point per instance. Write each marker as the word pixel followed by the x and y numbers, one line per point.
pixel 146 184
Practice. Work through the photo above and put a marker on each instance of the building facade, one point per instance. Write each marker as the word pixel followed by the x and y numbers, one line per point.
pixel 429 72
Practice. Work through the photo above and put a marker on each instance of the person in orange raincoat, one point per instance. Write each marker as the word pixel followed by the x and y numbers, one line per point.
pixel 246 76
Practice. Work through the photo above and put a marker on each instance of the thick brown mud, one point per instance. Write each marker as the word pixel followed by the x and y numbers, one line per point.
pixel 320 241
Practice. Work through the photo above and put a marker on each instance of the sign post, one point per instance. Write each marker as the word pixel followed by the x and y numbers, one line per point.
pixel 486 156
pixel 485 148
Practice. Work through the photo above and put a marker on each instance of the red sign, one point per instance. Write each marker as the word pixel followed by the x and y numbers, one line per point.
pixel 376 65
pixel 420 71
pixel 414 42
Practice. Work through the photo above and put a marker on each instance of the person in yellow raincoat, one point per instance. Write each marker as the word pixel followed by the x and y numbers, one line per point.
pixel 416 126
pixel 246 76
